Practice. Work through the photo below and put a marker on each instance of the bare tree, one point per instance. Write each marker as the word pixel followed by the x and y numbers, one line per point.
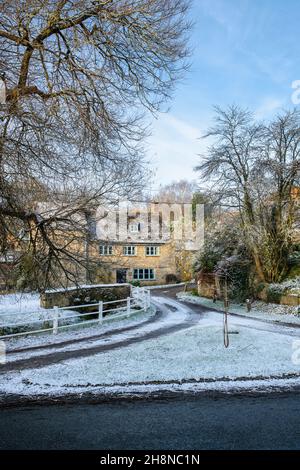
pixel 181 191
pixel 255 167
pixel 79 75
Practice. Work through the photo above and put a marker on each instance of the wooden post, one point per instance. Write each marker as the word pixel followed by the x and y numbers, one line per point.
pixel 2 352
pixel 100 312
pixel 145 300
pixel 55 320
pixel 128 310
pixel 226 299
pixel 225 315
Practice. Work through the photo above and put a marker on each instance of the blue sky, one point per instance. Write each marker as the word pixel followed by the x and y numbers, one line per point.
pixel 245 52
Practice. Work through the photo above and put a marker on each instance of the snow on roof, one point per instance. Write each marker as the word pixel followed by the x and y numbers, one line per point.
pixel 85 286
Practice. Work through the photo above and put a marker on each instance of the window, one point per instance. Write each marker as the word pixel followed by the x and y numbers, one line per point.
pixel 134 228
pixel 105 250
pixel 24 235
pixel 7 258
pixel 152 250
pixel 129 250
pixel 144 274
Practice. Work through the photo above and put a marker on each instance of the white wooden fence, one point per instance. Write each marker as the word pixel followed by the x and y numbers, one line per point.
pixel 140 301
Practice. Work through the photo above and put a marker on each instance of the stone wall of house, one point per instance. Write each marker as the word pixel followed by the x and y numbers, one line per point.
pixel 164 264
pixel 84 295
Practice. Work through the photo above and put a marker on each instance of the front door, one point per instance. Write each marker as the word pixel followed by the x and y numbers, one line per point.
pixel 121 276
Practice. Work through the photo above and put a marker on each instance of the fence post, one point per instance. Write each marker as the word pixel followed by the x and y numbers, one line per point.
pixel 128 306
pixel 148 298
pixel 100 310
pixel 145 299
pixel 55 320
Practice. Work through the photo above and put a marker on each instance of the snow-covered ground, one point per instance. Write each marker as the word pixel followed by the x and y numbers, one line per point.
pixel 260 310
pixel 92 336
pixel 166 286
pixel 21 308
pixel 83 286
pixel 197 353
pixel 20 303
pixel 20 313
pixel 190 359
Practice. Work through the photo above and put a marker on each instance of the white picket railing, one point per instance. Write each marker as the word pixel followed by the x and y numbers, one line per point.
pixel 140 301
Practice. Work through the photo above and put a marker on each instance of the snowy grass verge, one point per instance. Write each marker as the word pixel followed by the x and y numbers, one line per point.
pixel 260 310
pixel 192 359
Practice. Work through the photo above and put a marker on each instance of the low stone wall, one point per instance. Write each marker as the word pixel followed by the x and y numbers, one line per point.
pixel 206 290
pixel 83 295
pixel 289 300
pixel 285 299
pixel 208 285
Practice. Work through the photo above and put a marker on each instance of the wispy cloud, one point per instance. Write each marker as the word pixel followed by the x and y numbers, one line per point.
pixel 268 106
pixel 181 127
pixel 245 52
pixel 174 147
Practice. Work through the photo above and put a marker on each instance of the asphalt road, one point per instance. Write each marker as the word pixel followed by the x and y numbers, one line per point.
pixel 269 422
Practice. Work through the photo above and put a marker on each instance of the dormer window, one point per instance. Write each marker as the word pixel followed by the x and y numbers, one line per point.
pixel 134 228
